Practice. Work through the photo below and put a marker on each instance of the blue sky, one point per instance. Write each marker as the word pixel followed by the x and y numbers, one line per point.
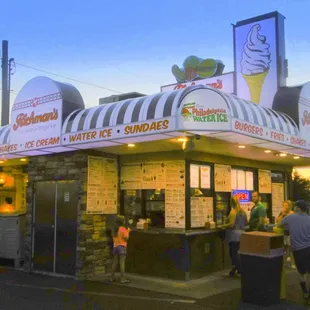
pixel 131 45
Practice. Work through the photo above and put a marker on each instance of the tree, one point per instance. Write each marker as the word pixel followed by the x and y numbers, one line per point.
pixel 301 188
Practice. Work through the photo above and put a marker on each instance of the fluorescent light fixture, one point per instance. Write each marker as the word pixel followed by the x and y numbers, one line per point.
pixel 241 146
pixel 267 151
pixel 131 145
pixel 296 157
pixel 1 161
pixel 282 154
pixel 23 159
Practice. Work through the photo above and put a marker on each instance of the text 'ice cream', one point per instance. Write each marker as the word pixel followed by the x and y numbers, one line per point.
pixel 255 62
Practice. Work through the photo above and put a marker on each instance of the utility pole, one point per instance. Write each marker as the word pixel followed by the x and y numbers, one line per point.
pixel 5 111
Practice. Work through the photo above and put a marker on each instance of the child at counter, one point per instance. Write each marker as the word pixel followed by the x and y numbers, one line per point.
pixel 120 238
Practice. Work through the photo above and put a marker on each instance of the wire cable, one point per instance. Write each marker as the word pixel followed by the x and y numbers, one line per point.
pixel 68 78
pixel 11 92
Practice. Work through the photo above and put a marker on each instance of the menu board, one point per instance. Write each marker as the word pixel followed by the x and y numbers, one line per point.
pixel 249 180
pixel 194 176
pixel 153 175
pixel 222 178
pixel 175 194
pixel 201 211
pixel 131 175
pixel 102 186
pixel 234 179
pixel 205 176
pixel 241 179
pixel 277 198
pixel 264 181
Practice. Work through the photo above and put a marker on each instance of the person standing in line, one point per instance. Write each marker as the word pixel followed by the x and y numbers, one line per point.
pixel 120 238
pixel 235 225
pixel 258 214
pixel 287 210
pixel 298 225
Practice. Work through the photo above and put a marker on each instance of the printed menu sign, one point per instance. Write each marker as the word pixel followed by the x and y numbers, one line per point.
pixel 222 178
pixel 101 186
pixel 153 175
pixel 131 175
pixel 234 183
pixel 205 176
pixel 201 211
pixel 194 176
pixel 241 179
pixel 277 198
pixel 249 180
pixel 264 181
pixel 175 194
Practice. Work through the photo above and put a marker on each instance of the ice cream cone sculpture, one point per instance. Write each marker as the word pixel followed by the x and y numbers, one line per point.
pixel 255 62
pixel 255 84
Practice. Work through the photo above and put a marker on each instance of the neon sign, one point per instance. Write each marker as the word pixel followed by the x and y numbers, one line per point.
pixel 242 195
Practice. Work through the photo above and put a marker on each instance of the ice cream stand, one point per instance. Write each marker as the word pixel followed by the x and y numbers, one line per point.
pixel 171 159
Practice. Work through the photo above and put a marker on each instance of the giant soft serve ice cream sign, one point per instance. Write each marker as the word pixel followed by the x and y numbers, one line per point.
pixel 255 62
pixel 258 51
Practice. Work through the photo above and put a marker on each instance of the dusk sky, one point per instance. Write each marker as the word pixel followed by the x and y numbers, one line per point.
pixel 131 45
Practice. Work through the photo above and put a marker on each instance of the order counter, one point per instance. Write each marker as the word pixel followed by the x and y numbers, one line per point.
pixel 176 254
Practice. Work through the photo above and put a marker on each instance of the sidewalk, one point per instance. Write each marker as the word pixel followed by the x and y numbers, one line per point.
pixel 218 291
pixel 202 288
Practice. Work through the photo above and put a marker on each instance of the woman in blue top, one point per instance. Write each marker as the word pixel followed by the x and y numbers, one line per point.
pixel 235 224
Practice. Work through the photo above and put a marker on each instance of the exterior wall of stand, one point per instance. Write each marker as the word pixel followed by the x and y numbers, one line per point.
pixel 93 255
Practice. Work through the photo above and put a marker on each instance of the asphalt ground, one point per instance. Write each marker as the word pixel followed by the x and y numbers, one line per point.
pixel 20 290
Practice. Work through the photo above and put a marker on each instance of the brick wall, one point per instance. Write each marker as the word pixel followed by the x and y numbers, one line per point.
pixel 93 251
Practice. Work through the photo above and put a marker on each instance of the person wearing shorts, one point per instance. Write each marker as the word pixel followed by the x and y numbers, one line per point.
pixel 120 238
pixel 298 225
pixel 235 225
pixel 287 210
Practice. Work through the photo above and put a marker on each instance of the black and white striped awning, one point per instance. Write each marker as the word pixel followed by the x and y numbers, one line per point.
pixel 256 114
pixel 166 104
pixel 158 106
pixel 5 134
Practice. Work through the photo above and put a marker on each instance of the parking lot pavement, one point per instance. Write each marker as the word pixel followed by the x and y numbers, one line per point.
pixel 19 290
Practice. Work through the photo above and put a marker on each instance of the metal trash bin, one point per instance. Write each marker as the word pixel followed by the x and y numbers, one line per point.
pixel 261 255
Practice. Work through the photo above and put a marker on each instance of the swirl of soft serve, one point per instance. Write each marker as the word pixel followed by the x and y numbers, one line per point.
pixel 255 55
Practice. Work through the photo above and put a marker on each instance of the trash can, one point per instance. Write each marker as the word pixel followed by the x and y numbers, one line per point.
pixel 261 255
